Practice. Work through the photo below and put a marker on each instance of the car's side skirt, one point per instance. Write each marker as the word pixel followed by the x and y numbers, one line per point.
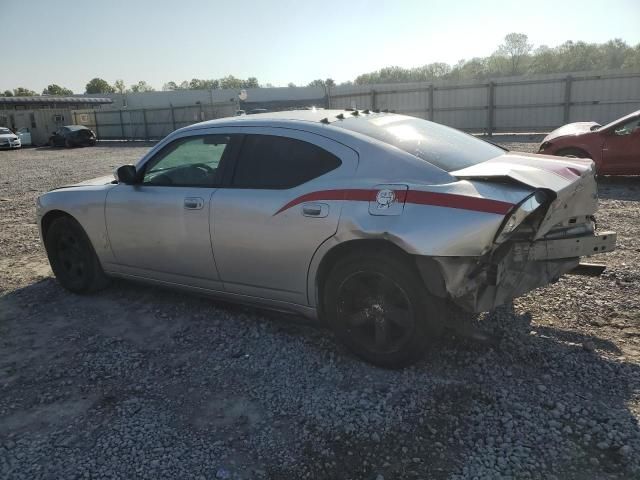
pixel 269 304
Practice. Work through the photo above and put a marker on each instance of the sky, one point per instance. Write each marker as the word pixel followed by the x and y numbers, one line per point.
pixel 278 41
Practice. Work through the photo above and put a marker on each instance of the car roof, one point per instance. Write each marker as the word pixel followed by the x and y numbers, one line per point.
pixel 313 119
pixel 313 115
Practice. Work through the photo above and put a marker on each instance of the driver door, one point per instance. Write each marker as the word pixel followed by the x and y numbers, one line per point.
pixel 58 137
pixel 621 150
pixel 159 228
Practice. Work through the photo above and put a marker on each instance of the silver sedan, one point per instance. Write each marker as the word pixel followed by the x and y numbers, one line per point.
pixel 379 224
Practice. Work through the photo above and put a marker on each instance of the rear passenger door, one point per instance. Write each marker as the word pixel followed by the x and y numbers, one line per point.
pixel 282 200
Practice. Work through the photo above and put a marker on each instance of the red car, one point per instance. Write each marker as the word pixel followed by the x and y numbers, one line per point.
pixel 615 147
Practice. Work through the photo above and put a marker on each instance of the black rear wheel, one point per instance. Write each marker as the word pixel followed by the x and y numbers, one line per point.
pixel 379 308
pixel 72 257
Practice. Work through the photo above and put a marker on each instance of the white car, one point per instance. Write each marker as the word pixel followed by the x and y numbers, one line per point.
pixel 8 139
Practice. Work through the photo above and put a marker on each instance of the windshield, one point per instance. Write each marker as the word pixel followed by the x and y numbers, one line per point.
pixel 4 131
pixel 619 120
pixel 442 146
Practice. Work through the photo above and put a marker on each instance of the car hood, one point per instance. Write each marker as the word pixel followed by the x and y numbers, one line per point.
pixel 105 180
pixel 577 128
pixel 572 181
pixel 95 181
pixel 10 136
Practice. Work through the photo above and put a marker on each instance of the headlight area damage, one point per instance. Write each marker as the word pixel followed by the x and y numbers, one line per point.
pixel 542 238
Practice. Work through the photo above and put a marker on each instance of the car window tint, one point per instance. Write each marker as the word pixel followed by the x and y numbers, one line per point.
pixel 191 161
pixel 272 162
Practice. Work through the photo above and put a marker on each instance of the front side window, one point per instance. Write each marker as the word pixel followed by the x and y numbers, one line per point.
pixel 272 162
pixel 629 127
pixel 191 161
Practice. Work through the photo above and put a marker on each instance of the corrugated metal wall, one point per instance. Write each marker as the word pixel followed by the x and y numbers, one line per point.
pixel 150 123
pixel 514 104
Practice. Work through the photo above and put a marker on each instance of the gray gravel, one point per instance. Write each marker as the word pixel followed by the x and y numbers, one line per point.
pixel 137 382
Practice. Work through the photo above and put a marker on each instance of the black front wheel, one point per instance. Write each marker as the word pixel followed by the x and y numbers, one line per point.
pixel 573 152
pixel 72 257
pixel 379 308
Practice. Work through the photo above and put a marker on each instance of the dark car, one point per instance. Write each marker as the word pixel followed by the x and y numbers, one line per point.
pixel 72 136
pixel 615 147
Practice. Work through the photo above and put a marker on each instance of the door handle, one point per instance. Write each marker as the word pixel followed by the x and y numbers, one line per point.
pixel 193 203
pixel 318 210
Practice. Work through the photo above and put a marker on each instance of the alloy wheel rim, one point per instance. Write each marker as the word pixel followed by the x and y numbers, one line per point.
pixel 375 311
pixel 71 257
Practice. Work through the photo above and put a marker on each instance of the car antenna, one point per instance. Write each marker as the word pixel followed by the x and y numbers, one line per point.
pixel 325 120
pixel 340 116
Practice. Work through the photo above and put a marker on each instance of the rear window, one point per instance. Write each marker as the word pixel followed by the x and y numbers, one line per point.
pixel 442 146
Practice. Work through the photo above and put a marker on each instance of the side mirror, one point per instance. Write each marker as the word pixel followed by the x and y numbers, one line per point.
pixel 126 174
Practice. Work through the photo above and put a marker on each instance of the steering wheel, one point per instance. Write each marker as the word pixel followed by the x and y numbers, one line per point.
pixel 162 179
pixel 203 166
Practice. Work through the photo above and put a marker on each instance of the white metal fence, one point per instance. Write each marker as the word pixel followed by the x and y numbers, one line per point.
pixel 148 123
pixel 504 105
pixel 514 104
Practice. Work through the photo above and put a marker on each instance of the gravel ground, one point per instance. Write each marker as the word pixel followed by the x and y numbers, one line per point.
pixel 138 382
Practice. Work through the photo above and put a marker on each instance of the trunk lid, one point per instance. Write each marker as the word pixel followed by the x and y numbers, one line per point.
pixel 571 180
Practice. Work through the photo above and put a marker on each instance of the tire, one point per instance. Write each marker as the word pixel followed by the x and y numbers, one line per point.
pixel 72 257
pixel 68 143
pixel 379 308
pixel 52 143
pixel 573 152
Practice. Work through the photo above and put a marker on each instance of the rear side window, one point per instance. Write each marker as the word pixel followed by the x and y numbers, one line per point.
pixel 271 162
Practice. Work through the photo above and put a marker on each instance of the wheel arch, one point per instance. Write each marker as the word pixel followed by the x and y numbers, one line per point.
pixel 432 277
pixel 49 218
pixel 577 149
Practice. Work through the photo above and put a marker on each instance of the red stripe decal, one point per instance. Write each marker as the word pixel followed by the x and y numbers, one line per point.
pixel 448 200
pixel 451 200
pixel 353 194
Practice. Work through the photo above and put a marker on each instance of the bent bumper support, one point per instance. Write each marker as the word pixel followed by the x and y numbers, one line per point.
pixel 480 284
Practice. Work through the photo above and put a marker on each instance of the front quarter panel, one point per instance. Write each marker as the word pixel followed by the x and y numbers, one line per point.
pixel 86 205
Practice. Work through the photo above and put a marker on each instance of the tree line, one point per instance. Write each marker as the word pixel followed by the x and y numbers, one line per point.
pixel 515 56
